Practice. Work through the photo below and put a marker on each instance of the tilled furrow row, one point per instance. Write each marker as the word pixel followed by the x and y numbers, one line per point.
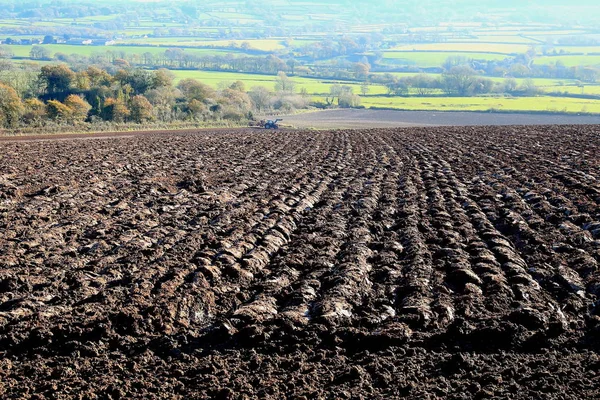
pixel 414 292
pixel 542 228
pixel 531 303
pixel 348 283
pixel 259 265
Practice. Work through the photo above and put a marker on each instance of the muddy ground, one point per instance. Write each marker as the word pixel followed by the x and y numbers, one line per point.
pixel 365 119
pixel 448 263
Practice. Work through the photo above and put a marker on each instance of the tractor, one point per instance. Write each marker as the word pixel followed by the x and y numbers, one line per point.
pixel 272 124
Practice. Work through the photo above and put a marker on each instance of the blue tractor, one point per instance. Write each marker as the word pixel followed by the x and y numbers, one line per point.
pixel 272 124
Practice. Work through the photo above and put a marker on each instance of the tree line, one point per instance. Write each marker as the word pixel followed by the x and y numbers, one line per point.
pixel 459 80
pixel 58 95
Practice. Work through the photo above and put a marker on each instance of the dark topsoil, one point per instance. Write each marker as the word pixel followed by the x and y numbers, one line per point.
pixel 350 118
pixel 441 263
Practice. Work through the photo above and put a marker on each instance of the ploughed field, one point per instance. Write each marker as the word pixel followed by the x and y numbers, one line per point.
pixel 422 262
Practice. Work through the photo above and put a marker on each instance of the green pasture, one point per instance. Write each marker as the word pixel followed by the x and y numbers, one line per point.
pixel 23 51
pixel 543 83
pixel 569 60
pixel 312 86
pixel 471 47
pixel 498 39
pixel 96 18
pixel 401 75
pixel 233 16
pixel 540 82
pixel 9 23
pixel 257 44
pixel 577 49
pixel 135 31
pixel 593 90
pixel 322 86
pixel 432 59
pixel 527 31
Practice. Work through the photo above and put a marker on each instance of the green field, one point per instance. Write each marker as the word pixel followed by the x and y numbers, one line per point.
pixel 477 46
pixel 499 39
pixel 322 86
pixel 569 61
pixel 312 86
pixel 257 44
pixel 573 89
pixel 432 59
pixel 23 51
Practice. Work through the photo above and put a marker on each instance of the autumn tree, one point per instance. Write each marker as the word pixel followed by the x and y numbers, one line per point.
pixel 24 78
pixel 345 96
pixel 82 81
pixel 240 86
pixel 121 63
pixel 162 78
pixel 11 107
pixel 141 109
pixel 79 108
pixel 115 110
pixel 193 89
pixel 6 52
pixel 163 100
pixel 292 64
pixel 196 109
pixel 58 111
pixel 240 101
pixel 510 85
pixel 57 78
pixel 35 111
pixel 519 70
pixel 98 77
pixel 138 79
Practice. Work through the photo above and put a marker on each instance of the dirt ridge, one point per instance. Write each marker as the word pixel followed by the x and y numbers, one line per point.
pixel 449 262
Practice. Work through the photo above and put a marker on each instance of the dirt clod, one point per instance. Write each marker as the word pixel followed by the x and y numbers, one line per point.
pixel 238 264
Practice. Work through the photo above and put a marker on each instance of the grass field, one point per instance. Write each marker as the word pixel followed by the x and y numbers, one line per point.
pixel 312 86
pixel 540 82
pixel 569 61
pixel 498 39
pixel 432 59
pixel 573 89
pixel 578 49
pixel 23 51
pixel 477 46
pixel 257 44
pixel 322 86
pixel 528 31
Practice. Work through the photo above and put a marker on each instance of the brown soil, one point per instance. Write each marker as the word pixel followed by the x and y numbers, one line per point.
pixel 365 119
pixel 101 135
pixel 419 263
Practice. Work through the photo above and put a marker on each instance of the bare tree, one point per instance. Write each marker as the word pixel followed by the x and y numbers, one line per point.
pixel 284 84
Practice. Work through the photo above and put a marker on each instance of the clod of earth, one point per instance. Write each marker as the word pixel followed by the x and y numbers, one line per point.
pixel 382 263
